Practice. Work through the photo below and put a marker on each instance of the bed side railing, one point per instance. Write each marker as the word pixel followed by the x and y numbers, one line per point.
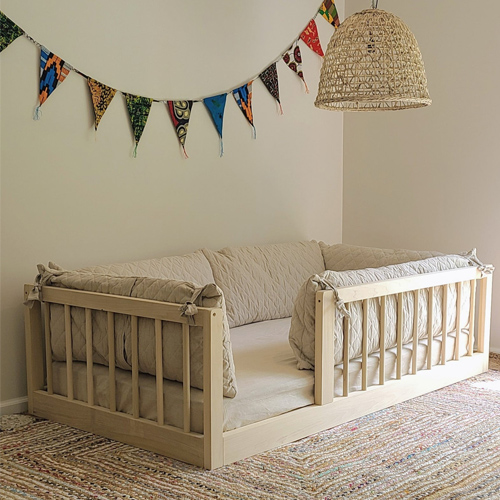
pixel 326 303
pixel 204 449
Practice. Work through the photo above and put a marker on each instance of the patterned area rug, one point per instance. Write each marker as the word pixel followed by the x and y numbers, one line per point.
pixel 444 445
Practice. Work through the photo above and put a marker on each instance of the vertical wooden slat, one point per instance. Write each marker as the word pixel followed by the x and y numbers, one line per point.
pixel 444 327
pixel 381 367
pixel 472 318
pixel 69 352
pixel 430 321
pixel 213 412
pixel 159 372
pixel 458 321
pixel 484 315
pixel 345 363
pixel 34 348
pixel 135 368
pixel 414 352
pixel 399 337
pixel 324 363
pixel 364 354
pixel 112 361
pixel 186 377
pixel 90 357
pixel 48 350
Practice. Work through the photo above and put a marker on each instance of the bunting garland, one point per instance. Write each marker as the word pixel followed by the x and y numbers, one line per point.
pixel 329 12
pixel 54 70
pixel 9 31
pixel 293 59
pixel 310 37
pixel 138 109
pixel 269 78
pixel 243 97
pixel 180 111
pixel 216 105
pixel 102 95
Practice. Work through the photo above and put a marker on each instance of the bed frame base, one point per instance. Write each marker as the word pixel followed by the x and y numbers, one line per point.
pixel 215 448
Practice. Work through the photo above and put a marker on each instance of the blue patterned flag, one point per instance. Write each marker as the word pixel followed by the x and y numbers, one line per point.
pixel 216 105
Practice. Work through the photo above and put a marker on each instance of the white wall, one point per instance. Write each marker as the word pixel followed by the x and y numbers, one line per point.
pixel 430 178
pixel 77 200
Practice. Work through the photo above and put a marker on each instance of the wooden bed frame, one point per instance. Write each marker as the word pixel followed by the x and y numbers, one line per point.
pixel 214 447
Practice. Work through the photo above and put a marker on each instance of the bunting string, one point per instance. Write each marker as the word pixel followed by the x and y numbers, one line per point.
pixel 54 70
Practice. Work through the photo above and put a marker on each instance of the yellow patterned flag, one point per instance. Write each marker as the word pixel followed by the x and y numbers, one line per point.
pixel 102 95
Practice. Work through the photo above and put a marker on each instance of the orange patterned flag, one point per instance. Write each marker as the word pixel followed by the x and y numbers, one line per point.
pixel 101 95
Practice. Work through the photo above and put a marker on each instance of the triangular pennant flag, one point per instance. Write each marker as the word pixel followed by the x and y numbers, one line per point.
pixel 53 71
pixel 329 12
pixel 180 111
pixel 269 78
pixel 9 31
pixel 293 60
pixel 138 109
pixel 311 38
pixel 243 97
pixel 215 106
pixel 101 95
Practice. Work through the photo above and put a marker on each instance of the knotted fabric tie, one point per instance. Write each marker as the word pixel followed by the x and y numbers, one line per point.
pixel 485 269
pixel 338 301
pixel 189 309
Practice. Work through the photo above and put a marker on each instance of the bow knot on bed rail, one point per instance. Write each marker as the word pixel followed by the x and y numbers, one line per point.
pixel 42 278
pixel 484 269
pixel 338 301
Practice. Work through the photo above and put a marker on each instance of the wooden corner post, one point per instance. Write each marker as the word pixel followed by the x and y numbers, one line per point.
pixel 324 348
pixel 213 420
pixel 34 347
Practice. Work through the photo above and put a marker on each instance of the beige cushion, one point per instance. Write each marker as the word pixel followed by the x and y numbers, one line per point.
pixel 146 288
pixel 351 257
pixel 192 267
pixel 260 282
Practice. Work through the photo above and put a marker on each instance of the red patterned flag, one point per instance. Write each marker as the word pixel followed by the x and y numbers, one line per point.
pixel 293 59
pixel 311 38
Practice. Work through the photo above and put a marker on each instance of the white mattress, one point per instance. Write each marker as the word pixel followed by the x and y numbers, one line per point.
pixel 269 383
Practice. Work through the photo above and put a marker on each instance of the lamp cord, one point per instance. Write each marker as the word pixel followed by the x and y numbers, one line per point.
pixel 374 4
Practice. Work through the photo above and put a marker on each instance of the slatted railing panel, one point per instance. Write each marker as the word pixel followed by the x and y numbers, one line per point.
pixel 48 350
pixel 430 322
pixel 160 417
pixel 90 356
pixel 69 352
pixel 414 353
pixel 458 321
pixel 111 362
pixel 135 367
pixel 444 325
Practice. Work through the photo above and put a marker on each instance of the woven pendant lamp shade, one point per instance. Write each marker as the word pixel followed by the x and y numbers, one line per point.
pixel 372 63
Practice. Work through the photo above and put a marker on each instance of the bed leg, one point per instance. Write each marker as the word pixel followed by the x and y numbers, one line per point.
pixel 484 317
pixel 34 348
pixel 213 418
pixel 324 348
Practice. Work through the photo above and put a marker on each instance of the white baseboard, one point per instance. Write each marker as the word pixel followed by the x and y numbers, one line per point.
pixel 17 405
pixel 496 350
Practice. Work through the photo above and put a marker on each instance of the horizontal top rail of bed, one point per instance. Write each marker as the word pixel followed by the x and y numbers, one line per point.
pixel 405 284
pixel 145 308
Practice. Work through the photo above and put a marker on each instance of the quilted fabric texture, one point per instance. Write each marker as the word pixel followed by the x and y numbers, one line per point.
pixel 348 257
pixel 147 288
pixel 261 282
pixel 302 332
pixel 192 267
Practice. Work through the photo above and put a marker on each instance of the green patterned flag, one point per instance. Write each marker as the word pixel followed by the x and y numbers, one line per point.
pixel 138 109
pixel 9 31
pixel 329 12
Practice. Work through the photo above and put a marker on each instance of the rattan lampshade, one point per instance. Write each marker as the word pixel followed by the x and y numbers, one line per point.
pixel 372 63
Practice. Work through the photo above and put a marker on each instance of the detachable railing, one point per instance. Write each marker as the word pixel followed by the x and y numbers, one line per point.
pixel 429 284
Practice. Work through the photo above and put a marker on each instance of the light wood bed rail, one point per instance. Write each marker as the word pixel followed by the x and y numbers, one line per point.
pixel 214 447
